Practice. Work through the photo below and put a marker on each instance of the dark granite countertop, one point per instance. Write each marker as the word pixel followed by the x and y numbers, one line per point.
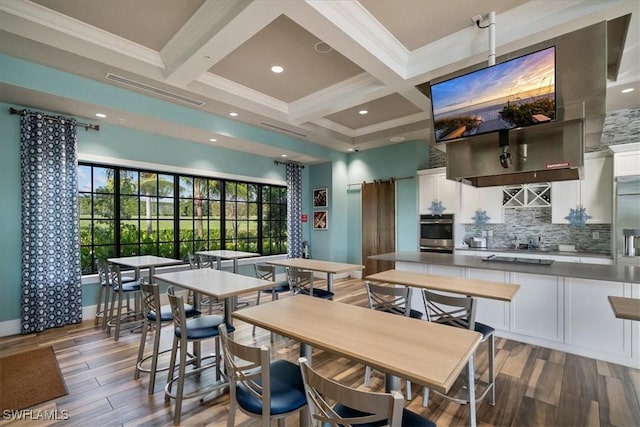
pixel 613 273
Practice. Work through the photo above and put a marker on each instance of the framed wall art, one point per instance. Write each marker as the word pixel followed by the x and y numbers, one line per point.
pixel 320 198
pixel 320 220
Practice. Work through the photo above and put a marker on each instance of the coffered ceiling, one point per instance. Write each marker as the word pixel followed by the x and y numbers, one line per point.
pixel 339 58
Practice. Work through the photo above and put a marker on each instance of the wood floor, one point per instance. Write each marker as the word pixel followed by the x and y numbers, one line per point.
pixel 535 386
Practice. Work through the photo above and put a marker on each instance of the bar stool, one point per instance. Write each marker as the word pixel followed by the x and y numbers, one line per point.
pixel 268 272
pixel 151 303
pixel 119 292
pixel 104 290
pixel 460 312
pixel 193 330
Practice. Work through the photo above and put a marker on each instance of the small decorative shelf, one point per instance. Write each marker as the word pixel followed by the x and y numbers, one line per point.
pixel 527 195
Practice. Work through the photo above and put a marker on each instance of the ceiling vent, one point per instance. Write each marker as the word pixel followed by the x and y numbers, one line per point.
pixel 281 129
pixel 154 90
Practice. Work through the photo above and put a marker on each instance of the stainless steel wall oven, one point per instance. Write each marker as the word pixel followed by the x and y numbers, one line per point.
pixel 436 233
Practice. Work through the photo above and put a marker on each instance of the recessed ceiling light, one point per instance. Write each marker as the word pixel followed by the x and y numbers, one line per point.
pixel 350 149
pixel 101 115
pixel 363 112
pixel 396 139
pixel 233 114
pixel 277 69
pixel 212 139
pixel 283 155
pixel 627 90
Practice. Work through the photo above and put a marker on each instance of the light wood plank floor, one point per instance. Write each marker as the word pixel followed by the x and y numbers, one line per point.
pixel 535 386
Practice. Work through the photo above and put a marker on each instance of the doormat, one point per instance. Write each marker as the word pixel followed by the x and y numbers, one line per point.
pixel 29 378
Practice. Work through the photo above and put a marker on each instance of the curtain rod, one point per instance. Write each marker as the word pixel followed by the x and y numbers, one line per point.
pixel 87 126
pixel 378 181
pixel 278 162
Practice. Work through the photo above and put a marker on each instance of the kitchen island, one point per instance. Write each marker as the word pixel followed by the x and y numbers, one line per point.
pixel 562 306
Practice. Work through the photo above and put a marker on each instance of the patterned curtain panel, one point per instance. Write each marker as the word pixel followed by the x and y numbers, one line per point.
pixel 294 210
pixel 51 275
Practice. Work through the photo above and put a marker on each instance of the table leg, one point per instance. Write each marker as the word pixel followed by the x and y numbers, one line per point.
pixel 218 263
pixel 305 351
pixel 330 282
pixel 228 308
pixel 472 393
pixel 391 382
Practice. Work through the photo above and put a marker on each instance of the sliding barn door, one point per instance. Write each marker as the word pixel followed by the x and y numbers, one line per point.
pixel 378 224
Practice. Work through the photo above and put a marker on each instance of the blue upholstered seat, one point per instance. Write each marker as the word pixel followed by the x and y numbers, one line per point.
pixel 409 418
pixel 318 293
pixel 166 316
pixel 485 330
pixel 287 390
pixel 255 380
pixel 203 327
pixel 278 288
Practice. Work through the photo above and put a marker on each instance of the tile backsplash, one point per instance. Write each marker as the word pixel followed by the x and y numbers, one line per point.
pixel 531 222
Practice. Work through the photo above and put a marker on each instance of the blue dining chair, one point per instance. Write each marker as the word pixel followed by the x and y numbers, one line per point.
pixel 258 386
pixel 334 404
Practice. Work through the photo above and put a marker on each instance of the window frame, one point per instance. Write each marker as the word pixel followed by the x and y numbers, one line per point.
pixel 178 252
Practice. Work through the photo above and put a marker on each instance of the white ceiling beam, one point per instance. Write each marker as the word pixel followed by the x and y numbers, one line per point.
pixel 215 30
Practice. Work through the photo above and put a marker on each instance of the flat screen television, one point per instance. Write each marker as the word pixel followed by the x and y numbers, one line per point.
pixel 515 93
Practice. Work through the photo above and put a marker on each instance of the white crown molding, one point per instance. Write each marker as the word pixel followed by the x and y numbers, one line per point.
pixel 111 161
pixel 331 125
pixel 390 124
pixel 225 85
pixel 42 16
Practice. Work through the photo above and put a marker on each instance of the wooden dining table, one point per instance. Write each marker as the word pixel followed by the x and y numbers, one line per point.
pixel 459 285
pixel 424 353
pixel 218 284
pixel 144 261
pixel 219 255
pixel 328 267
pixel 625 307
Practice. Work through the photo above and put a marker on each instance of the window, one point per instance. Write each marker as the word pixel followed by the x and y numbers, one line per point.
pixel 126 212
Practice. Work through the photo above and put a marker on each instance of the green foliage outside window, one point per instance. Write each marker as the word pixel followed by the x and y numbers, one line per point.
pixel 170 215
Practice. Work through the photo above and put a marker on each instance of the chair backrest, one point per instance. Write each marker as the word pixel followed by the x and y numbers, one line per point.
pixel 193 261
pixel 389 298
pixel 300 280
pixel 102 266
pixel 115 278
pixel 450 310
pixel 245 365
pixel 206 262
pixel 265 272
pixel 150 297
pixel 323 394
pixel 177 311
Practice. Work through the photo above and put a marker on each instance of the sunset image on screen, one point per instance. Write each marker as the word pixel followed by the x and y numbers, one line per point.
pixel 515 93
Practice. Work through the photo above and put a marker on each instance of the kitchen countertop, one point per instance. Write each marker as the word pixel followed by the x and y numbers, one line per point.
pixel 489 251
pixel 612 273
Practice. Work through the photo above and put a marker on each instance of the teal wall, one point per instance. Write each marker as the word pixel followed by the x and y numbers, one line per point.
pixel 341 242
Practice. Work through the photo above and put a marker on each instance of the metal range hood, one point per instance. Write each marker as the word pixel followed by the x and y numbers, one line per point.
pixel 550 151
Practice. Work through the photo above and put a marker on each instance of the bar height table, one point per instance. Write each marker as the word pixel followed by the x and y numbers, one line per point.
pixel 328 267
pixel 144 261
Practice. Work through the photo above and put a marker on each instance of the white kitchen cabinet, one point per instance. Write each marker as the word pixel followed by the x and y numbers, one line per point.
pixel 536 309
pixel 433 185
pixel 589 319
pixel 488 311
pixel 594 192
pixel 626 159
pixel 487 199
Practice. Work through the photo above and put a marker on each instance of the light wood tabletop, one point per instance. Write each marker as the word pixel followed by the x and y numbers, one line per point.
pixel 423 352
pixel 219 255
pixel 328 267
pixel 144 261
pixel 472 287
pixel 625 307
pixel 215 283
